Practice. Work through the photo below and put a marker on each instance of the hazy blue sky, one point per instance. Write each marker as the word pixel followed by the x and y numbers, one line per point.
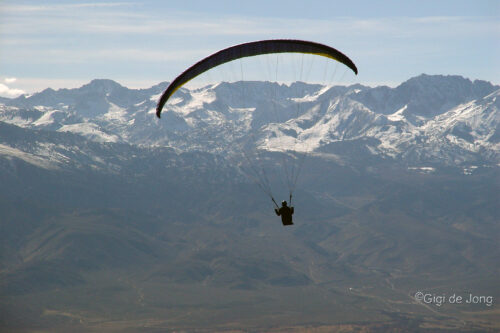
pixel 140 43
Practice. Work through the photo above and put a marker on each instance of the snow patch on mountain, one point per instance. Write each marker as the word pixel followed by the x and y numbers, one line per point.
pixel 90 131
pixel 115 114
pixel 10 152
pixel 311 97
pixel 46 119
pixel 398 115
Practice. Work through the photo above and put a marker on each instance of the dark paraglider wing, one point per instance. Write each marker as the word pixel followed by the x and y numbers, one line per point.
pixel 249 50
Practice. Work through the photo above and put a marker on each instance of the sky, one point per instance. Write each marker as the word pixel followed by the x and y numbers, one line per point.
pixel 65 44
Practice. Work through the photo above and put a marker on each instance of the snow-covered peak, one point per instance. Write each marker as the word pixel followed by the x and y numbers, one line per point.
pixel 102 86
pixel 425 95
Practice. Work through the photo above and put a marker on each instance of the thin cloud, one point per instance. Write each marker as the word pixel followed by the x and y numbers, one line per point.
pixel 116 38
pixel 116 18
pixel 5 91
pixel 62 7
pixel 60 56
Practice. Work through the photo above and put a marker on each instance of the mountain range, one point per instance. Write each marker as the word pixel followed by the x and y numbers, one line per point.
pixel 445 120
pixel 115 220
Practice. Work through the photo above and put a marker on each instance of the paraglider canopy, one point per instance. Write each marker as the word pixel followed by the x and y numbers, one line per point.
pixel 249 50
pixel 248 155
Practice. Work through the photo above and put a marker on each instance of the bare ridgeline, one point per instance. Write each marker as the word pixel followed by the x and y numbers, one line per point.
pixel 113 220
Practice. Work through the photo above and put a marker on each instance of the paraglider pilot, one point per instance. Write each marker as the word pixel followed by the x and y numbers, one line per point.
pixel 285 212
